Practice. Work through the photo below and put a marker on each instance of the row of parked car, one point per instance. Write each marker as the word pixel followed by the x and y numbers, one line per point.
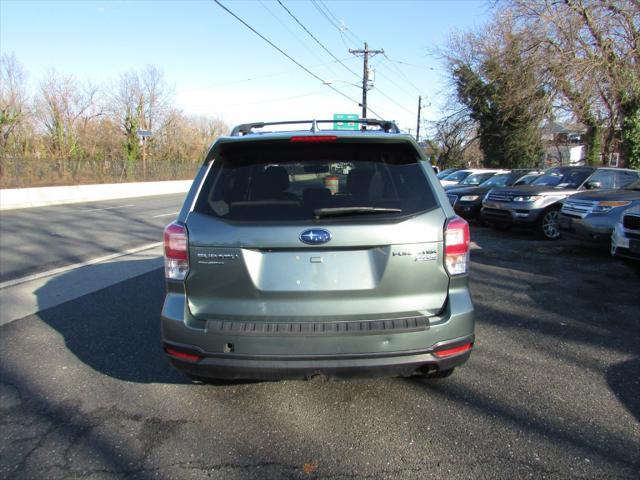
pixel 598 206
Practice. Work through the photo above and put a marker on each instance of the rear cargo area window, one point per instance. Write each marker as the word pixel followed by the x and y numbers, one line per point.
pixel 283 181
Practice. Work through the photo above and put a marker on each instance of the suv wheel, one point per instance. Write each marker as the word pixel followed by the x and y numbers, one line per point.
pixel 548 226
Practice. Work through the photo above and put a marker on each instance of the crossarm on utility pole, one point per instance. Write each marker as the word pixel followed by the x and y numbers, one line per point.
pixel 365 73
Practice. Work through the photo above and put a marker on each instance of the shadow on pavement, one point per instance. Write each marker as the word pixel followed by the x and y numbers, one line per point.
pixel 115 330
pixel 34 422
pixel 587 304
pixel 624 381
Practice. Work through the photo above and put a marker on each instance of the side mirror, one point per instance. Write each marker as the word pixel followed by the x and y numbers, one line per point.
pixel 593 185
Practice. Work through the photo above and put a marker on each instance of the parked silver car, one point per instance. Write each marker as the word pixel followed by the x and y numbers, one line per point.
pixel 537 206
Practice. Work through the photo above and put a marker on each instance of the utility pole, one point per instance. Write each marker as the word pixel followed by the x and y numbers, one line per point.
pixel 365 73
pixel 418 126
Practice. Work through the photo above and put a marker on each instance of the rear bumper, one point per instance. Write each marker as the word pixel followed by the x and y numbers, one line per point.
pixel 240 354
pixel 280 368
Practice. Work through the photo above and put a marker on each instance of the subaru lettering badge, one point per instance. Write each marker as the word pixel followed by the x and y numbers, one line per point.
pixel 315 236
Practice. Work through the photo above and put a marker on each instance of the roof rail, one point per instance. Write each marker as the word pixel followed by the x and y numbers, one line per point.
pixel 388 126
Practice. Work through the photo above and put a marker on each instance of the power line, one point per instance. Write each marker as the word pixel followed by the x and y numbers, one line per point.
pixel 394 82
pixel 326 12
pixel 393 101
pixel 358 39
pixel 316 40
pixel 272 100
pixel 401 73
pixel 333 20
pixel 411 64
pixel 260 77
pixel 286 27
pixel 287 55
pixel 342 29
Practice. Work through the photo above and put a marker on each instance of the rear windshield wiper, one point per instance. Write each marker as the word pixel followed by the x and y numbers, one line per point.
pixel 338 211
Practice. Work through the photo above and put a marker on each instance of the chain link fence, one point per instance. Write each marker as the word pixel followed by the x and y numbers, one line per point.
pixel 33 172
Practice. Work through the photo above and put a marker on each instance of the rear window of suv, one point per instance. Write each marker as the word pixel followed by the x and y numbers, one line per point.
pixel 285 181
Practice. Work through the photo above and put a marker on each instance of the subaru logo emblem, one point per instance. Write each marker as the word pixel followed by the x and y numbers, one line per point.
pixel 315 236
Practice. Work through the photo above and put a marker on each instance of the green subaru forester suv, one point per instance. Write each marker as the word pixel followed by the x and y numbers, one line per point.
pixel 316 252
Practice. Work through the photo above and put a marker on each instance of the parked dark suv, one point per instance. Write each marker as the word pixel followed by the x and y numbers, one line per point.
pixel 537 206
pixel 300 253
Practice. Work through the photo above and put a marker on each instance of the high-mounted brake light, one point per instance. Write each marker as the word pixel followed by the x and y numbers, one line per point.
pixel 456 244
pixel 176 258
pixel 313 138
pixel 447 352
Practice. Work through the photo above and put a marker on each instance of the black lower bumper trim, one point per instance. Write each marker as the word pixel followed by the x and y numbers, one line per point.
pixel 287 329
pixel 279 368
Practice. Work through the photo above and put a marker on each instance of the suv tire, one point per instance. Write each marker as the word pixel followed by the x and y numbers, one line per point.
pixel 548 228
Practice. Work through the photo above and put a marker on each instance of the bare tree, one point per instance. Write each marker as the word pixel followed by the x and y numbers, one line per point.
pixel 593 52
pixel 61 105
pixel 75 132
pixel 13 99
pixel 497 83
pixel 185 138
pixel 453 137
pixel 140 101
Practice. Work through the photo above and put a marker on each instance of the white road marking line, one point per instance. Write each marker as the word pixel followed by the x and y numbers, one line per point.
pixel 93 261
pixel 165 214
pixel 106 208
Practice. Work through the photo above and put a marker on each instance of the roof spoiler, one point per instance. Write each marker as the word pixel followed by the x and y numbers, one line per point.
pixel 387 126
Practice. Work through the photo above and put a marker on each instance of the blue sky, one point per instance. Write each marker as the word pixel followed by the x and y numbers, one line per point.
pixel 217 67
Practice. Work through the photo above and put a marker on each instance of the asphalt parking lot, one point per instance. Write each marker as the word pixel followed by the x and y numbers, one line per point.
pixel 552 389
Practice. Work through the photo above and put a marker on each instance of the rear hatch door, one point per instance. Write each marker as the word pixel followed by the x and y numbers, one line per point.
pixel 312 231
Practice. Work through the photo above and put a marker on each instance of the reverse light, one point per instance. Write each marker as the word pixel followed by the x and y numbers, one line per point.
pixel 447 352
pixel 602 207
pixel 176 258
pixel 469 198
pixel 313 138
pixel 456 245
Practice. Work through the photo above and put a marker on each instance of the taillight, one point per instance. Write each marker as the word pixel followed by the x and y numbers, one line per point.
pixel 189 357
pixel 447 352
pixel 456 245
pixel 176 258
